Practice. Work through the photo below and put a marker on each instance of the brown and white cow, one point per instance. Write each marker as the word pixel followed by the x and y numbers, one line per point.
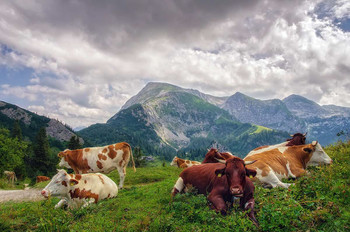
pixel 297 139
pixel 221 182
pixel 11 176
pixel 42 179
pixel 99 159
pixel 214 155
pixel 182 163
pixel 77 190
pixel 275 164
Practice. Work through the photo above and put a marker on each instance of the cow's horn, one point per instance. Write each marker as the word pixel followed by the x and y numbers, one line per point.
pixel 249 162
pixel 291 135
pixel 314 143
pixel 221 161
pixel 305 134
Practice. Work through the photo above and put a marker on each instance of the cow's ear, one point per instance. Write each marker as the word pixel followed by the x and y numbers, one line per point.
pixel 250 172
pixel 73 182
pixel 61 154
pixel 307 149
pixel 220 172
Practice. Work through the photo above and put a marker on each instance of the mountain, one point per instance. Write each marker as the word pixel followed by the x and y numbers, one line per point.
pixel 304 108
pixel 269 113
pixel 292 114
pixel 323 122
pixel 156 89
pixel 31 123
pixel 166 117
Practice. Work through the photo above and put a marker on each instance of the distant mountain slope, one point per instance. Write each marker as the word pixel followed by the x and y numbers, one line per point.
pixel 323 122
pixel 31 123
pixel 293 114
pixel 169 117
pixel 269 113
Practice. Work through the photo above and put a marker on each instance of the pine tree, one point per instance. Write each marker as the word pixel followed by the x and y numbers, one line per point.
pixel 138 157
pixel 16 131
pixel 74 143
pixel 41 159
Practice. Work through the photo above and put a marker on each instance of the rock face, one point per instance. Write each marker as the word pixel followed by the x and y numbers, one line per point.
pixel 269 113
pixel 31 122
pixel 16 114
pixel 58 131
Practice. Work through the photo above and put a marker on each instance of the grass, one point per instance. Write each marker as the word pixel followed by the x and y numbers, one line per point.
pixel 317 202
pixel 260 129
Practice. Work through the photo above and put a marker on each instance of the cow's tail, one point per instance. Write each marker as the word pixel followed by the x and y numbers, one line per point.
pixel 132 158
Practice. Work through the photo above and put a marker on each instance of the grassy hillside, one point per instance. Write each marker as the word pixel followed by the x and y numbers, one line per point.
pixel 317 202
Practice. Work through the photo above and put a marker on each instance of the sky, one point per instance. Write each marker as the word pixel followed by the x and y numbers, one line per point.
pixel 79 61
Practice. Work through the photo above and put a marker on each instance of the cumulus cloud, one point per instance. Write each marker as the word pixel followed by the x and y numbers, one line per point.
pixel 89 57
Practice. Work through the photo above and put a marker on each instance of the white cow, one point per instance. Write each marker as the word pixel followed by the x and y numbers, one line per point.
pixel 77 190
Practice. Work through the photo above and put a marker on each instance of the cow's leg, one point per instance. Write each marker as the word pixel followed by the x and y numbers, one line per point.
pixel 218 203
pixel 122 174
pixel 271 179
pixel 178 187
pixel 61 203
pixel 88 202
pixel 247 201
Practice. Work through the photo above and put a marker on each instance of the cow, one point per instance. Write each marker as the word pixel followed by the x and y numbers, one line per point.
pixel 42 179
pixel 99 159
pixel 297 139
pixel 182 163
pixel 214 155
pixel 221 182
pixel 79 190
pixel 275 164
pixel 11 176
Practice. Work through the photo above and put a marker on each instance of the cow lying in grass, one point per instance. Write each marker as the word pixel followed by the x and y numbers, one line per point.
pixel 221 182
pixel 42 179
pixel 182 163
pixel 214 155
pixel 99 159
pixel 297 139
pixel 275 164
pixel 79 190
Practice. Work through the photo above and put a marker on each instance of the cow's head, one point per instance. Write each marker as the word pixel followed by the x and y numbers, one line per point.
pixel 318 155
pixel 212 156
pixel 59 184
pixel 63 155
pixel 297 139
pixel 235 171
pixel 174 161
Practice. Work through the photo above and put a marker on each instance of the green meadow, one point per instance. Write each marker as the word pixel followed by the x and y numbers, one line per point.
pixel 319 201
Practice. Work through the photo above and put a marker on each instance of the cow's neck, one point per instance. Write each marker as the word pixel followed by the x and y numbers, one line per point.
pixel 299 157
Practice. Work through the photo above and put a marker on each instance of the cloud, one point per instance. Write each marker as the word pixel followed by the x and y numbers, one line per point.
pixel 89 57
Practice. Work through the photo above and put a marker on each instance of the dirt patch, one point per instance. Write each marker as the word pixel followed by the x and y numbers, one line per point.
pixel 21 195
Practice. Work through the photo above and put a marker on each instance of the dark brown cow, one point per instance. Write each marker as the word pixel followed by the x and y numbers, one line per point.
pixel 42 179
pixel 297 139
pixel 214 155
pixel 221 182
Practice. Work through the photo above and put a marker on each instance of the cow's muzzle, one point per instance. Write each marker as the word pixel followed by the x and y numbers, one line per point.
pixel 237 192
pixel 45 193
